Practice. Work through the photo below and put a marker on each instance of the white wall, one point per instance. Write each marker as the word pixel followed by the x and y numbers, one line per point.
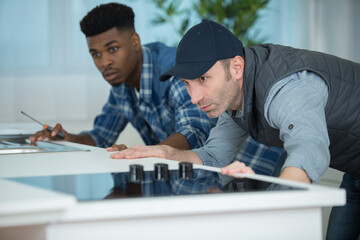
pixel 45 67
pixel 51 75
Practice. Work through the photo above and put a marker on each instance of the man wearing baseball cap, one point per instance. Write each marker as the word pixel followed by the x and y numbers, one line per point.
pixel 304 101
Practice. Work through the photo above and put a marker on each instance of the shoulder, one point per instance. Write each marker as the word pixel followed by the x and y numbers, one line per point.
pixel 163 56
pixel 174 91
pixel 159 49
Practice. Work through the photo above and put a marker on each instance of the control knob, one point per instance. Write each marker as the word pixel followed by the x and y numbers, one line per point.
pixel 136 173
pixel 161 172
pixel 185 170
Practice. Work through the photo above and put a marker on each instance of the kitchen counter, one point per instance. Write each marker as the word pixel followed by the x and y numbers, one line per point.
pixel 28 212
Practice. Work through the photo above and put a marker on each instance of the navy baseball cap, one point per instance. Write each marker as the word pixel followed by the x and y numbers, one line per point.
pixel 201 47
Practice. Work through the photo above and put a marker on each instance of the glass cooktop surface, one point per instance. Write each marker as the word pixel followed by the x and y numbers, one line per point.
pixel 156 183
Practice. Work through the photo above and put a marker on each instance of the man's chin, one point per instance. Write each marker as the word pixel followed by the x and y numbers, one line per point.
pixel 212 114
pixel 115 84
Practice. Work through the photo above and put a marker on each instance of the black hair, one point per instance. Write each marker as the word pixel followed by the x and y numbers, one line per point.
pixel 106 16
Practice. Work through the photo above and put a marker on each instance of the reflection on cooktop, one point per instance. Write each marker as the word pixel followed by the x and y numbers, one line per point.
pixel 21 144
pixel 160 182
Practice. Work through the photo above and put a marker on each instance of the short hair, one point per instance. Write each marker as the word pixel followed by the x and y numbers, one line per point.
pixel 106 16
pixel 226 65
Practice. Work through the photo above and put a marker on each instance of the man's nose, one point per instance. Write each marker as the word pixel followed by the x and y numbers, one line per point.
pixel 106 61
pixel 196 95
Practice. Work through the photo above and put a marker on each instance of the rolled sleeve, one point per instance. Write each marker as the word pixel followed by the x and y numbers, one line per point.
pixel 223 143
pixel 297 110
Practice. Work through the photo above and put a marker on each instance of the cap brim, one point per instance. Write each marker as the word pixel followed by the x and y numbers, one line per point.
pixel 187 70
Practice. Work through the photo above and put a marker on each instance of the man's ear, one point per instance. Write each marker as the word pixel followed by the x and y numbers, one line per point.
pixel 136 41
pixel 237 69
pixel 237 66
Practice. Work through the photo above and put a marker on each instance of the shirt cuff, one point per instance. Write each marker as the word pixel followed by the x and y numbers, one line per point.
pixel 205 157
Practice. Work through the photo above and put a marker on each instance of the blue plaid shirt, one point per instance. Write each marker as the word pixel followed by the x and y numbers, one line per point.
pixel 261 158
pixel 161 109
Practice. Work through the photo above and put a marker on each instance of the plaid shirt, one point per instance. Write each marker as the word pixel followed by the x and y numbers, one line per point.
pixel 160 109
pixel 261 158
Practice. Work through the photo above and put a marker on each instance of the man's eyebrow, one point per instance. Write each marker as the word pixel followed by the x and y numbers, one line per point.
pixel 106 44
pixel 109 43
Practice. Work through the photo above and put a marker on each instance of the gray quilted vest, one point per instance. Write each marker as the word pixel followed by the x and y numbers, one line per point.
pixel 266 64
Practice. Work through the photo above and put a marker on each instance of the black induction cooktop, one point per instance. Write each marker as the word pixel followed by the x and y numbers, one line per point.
pixel 156 183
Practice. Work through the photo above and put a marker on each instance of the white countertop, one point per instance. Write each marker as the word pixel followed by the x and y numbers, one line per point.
pixel 97 160
pixel 18 200
pixel 28 212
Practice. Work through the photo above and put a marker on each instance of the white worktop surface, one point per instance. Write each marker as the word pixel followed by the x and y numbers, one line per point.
pixel 23 204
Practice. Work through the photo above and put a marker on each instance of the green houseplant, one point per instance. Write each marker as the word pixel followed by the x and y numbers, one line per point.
pixel 237 15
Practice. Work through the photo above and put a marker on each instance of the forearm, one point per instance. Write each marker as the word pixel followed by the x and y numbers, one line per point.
pixel 177 140
pixel 81 138
pixel 295 174
pixel 183 156
pixel 158 151
pixel 223 143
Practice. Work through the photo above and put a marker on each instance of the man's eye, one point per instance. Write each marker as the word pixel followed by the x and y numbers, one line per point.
pixel 95 55
pixel 113 49
pixel 203 78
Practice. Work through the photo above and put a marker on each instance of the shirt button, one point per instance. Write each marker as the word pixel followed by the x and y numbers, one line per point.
pixel 290 126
